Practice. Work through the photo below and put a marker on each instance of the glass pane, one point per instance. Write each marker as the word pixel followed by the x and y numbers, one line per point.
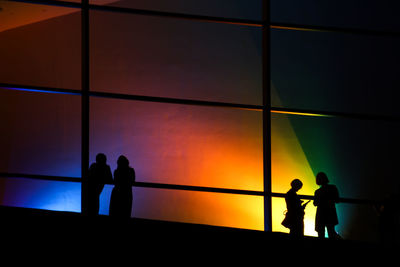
pixel 180 144
pixel 152 56
pixel 358 156
pixel 356 222
pixel 242 9
pixel 40 194
pixel 316 71
pixel 40 133
pixel 40 45
pixel 230 210
pixel 368 14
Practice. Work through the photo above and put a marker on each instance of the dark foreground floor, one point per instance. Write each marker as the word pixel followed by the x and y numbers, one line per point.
pixel 34 236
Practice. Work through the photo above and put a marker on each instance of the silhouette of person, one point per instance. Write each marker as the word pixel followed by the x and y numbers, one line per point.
pixel 325 199
pixel 99 175
pixel 389 219
pixel 121 195
pixel 294 219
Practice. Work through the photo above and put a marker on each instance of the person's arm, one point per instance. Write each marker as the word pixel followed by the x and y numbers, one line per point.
pixel 90 171
pixel 316 199
pixel 109 177
pixel 336 194
pixel 305 204
pixel 133 176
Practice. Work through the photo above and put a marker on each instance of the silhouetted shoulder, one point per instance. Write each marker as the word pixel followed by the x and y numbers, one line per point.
pixel 92 167
pixel 132 173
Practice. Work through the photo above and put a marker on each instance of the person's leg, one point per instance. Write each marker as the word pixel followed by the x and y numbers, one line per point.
pixel 331 232
pixel 321 233
pixel 297 230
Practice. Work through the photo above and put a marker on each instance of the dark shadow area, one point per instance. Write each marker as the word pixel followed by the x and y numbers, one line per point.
pixel 388 213
pixel 101 238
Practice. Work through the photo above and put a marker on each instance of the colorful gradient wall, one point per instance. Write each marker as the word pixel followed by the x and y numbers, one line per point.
pixel 40 194
pixel 151 56
pixel 344 74
pixel 319 72
pixel 40 133
pixel 181 144
pixel 166 143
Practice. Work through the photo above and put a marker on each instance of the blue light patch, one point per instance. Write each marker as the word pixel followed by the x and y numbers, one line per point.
pixel 49 91
pixel 40 194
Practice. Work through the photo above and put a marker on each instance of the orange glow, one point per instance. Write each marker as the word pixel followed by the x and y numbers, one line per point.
pixel 16 14
pixel 199 146
pixel 229 210
pixel 185 145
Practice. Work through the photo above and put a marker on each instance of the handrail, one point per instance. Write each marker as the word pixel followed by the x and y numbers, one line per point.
pixel 186 188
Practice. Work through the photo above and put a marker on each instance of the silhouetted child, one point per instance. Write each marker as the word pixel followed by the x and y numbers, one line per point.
pixel 121 196
pixel 99 175
pixel 325 198
pixel 294 219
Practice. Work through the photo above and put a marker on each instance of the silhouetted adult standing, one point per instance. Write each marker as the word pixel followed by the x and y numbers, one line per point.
pixel 99 175
pixel 325 198
pixel 121 196
pixel 294 219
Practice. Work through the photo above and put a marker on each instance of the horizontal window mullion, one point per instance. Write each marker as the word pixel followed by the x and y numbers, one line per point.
pixel 39 177
pixel 198 188
pixel 341 200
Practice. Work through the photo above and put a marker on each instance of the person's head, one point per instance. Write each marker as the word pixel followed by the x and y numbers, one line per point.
pixel 122 162
pixel 101 158
pixel 321 179
pixel 296 184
